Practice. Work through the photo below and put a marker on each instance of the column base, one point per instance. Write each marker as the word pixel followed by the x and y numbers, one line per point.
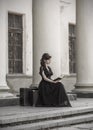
pixel 5 92
pixel 83 90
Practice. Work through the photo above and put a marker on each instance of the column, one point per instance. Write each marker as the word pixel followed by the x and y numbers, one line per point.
pixel 84 47
pixel 4 89
pixel 46 35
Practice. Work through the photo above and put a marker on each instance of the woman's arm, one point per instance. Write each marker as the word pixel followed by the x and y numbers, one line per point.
pixel 47 79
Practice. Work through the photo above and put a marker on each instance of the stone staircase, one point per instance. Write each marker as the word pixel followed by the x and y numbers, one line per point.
pixel 13 101
pixel 9 101
pixel 46 120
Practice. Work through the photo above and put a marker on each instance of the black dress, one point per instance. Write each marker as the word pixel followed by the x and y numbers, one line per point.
pixel 51 94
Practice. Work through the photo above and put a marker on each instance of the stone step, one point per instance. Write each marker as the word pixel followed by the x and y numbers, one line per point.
pixel 72 96
pixel 9 101
pixel 23 118
pixel 52 123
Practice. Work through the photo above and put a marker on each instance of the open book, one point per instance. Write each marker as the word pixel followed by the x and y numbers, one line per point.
pixel 59 78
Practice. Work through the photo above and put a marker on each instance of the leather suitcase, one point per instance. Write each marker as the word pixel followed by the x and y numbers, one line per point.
pixel 28 96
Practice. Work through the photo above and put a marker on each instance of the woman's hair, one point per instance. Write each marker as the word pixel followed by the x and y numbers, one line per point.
pixel 45 56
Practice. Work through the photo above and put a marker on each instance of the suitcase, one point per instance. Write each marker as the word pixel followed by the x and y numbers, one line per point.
pixel 28 96
pixel 25 97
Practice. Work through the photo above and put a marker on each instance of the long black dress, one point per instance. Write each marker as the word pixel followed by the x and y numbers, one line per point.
pixel 51 94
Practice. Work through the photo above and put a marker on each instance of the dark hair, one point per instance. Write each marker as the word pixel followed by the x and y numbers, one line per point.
pixel 45 56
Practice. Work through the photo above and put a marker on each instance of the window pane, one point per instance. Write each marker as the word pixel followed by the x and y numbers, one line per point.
pixel 18 38
pixel 10 20
pixel 10 38
pixel 11 52
pixel 72 57
pixel 15 43
pixel 18 52
pixel 18 22
pixel 11 66
pixel 17 66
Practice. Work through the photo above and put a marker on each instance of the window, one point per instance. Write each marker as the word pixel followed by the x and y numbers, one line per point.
pixel 15 43
pixel 72 57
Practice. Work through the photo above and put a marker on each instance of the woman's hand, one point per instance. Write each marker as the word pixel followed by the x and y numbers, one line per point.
pixel 57 81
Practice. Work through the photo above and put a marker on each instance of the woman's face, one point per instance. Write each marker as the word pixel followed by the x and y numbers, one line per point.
pixel 48 61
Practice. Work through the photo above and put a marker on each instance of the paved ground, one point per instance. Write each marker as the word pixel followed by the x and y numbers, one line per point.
pixel 12 110
pixel 80 102
pixel 87 126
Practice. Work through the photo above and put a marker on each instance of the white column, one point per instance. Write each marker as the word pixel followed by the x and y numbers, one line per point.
pixel 4 89
pixel 46 35
pixel 84 47
pixel 3 53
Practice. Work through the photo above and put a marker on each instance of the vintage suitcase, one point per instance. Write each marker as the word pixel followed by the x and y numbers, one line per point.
pixel 28 96
pixel 25 97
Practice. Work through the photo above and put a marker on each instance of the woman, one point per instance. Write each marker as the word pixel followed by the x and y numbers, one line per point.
pixel 51 92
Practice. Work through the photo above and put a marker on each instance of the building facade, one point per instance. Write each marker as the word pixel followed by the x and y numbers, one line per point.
pixel 59 27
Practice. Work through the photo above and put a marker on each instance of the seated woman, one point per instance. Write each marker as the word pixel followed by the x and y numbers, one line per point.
pixel 51 92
